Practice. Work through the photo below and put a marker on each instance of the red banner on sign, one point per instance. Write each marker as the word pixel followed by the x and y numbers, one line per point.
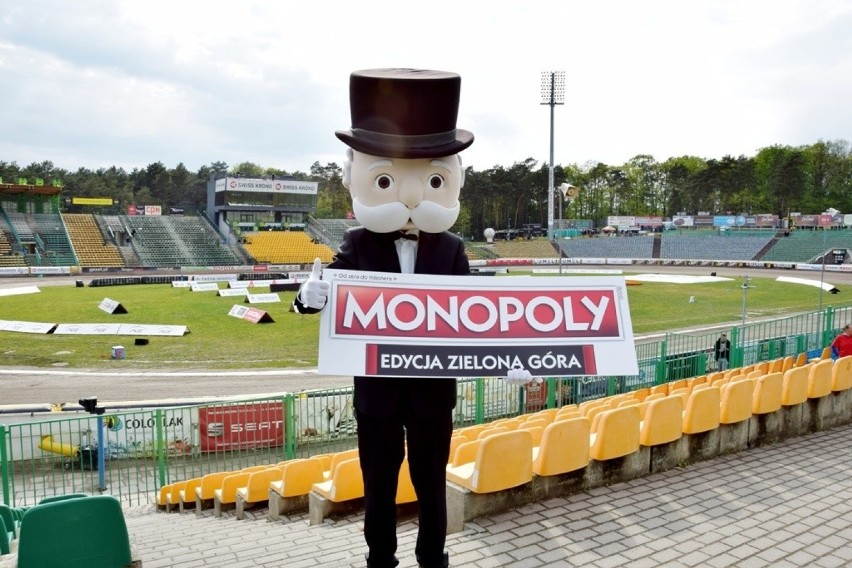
pixel 241 426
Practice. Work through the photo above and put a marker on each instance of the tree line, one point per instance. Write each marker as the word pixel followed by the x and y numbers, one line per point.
pixel 777 180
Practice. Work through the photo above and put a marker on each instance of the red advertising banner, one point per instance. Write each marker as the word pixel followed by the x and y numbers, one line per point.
pixel 252 425
pixel 416 325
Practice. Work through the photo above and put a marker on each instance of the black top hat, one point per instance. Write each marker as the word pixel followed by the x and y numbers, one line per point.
pixel 405 113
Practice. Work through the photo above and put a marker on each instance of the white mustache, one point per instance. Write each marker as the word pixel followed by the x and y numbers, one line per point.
pixel 428 216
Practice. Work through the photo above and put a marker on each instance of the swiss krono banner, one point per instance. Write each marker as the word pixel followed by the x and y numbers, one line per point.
pixel 385 324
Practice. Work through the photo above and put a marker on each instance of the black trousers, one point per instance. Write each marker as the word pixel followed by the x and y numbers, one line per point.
pixel 382 437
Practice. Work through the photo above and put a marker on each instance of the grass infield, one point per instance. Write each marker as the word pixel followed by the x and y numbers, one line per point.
pixel 217 341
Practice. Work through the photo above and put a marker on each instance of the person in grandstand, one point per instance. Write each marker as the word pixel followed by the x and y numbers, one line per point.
pixel 722 350
pixel 404 175
pixel 842 344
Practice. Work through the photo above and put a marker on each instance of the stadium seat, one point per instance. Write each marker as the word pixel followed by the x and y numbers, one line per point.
pixel 256 489
pixel 617 434
pixel 736 401
pixel 564 447
pixel 465 453
pixel 345 484
pixel 702 410
pixel 186 496
pixel 841 374
pixel 205 492
pixel 503 461
pixel 226 496
pixel 405 488
pixel 767 393
pixel 819 379
pixel 61 534
pixel 663 421
pixel 795 388
pixel 537 433
pixel 338 457
pixel 173 496
pixel 492 431
pixel 291 491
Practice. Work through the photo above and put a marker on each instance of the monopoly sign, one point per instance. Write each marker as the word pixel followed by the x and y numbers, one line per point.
pixel 401 325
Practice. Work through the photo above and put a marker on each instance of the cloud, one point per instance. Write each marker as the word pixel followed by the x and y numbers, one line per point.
pixel 130 83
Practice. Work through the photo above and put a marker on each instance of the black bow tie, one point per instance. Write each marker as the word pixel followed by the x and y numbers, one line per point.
pixel 407 236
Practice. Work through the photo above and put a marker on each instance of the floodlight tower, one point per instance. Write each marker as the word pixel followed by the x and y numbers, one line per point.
pixel 552 94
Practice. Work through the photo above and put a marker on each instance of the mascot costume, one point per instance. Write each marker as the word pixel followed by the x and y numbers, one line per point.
pixel 404 176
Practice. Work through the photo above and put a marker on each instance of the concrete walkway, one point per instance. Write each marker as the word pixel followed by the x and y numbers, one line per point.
pixel 784 505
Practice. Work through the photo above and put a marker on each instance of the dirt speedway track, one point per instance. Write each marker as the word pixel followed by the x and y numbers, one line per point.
pixel 43 386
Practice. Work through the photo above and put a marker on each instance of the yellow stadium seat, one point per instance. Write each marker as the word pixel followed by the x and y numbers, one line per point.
pixel 298 477
pixel 536 431
pixel 663 422
pixel 455 442
pixel 660 389
pixel 503 461
pixel 788 363
pixel 338 457
pixel 186 496
pixel 535 422
pixel 256 488
pixel 617 435
pixel 564 447
pixel 471 432
pixel 465 453
pixel 801 360
pixel 548 414
pixel 227 494
pixel 492 431
pixel 795 388
pixel 702 410
pixel 173 496
pixel 819 379
pixel 346 482
pixel 767 393
pixel 737 399
pixel 567 415
pixel 162 496
pixel 776 366
pixel 640 394
pixel 209 484
pixel 405 488
pixel 841 374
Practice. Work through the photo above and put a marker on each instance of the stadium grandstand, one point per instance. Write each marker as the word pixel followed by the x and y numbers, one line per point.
pixel 259 221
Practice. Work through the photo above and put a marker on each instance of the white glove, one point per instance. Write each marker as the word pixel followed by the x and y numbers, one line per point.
pixel 314 292
pixel 520 377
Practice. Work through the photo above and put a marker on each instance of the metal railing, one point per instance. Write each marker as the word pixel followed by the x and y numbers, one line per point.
pixel 146 449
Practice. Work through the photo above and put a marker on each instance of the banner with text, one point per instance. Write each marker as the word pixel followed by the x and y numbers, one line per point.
pixel 415 325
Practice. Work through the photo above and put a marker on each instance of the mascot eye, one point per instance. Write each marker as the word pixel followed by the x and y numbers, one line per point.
pixel 384 181
pixel 436 181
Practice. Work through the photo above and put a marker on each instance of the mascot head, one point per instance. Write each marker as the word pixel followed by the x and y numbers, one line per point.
pixel 402 169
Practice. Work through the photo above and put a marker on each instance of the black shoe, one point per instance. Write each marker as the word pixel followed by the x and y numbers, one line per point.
pixel 390 563
pixel 444 562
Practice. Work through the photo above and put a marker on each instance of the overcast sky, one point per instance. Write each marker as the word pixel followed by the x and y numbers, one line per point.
pixel 115 82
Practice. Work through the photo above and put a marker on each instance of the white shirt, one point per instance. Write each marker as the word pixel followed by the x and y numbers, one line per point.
pixel 406 250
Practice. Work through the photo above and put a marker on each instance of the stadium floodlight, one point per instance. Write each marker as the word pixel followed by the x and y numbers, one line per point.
pixel 552 94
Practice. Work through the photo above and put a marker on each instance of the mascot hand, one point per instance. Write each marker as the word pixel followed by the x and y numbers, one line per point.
pixel 520 377
pixel 314 292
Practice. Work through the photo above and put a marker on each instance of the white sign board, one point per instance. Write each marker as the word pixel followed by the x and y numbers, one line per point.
pixel 262 298
pixel 204 286
pixel 415 325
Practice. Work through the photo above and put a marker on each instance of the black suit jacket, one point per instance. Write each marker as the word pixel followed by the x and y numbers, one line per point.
pixel 437 253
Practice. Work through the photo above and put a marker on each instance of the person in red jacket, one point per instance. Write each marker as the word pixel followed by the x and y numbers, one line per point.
pixel 842 344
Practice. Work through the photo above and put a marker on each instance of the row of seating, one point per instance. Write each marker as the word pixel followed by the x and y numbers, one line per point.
pixel 89 244
pixel 286 247
pixel 573 440
pixel 58 532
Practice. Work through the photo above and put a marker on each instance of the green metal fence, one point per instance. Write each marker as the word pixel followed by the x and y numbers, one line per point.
pixel 148 448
